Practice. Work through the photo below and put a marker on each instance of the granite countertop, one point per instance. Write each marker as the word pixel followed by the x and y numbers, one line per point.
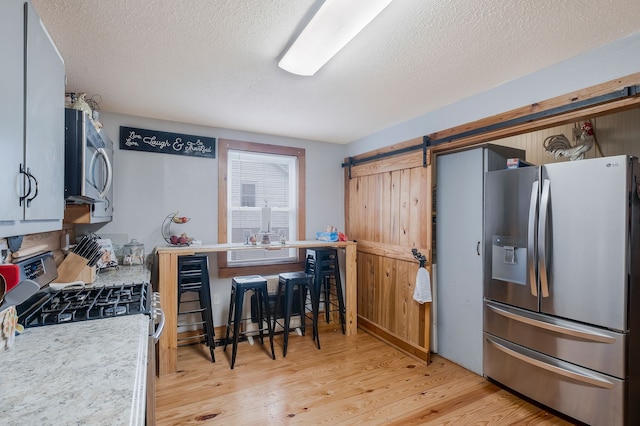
pixel 122 274
pixel 90 372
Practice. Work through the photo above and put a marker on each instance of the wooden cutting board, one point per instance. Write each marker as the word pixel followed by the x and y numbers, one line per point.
pixel 39 248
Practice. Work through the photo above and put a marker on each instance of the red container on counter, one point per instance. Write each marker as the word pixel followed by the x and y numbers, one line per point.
pixel 11 275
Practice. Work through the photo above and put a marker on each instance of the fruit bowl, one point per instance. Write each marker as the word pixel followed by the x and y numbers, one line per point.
pixel 179 219
pixel 181 240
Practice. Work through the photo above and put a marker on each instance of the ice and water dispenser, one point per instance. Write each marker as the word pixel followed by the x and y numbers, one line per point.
pixel 509 259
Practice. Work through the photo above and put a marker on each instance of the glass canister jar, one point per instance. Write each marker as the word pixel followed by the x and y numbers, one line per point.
pixel 133 253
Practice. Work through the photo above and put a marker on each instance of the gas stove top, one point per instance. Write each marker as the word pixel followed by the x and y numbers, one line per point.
pixel 72 305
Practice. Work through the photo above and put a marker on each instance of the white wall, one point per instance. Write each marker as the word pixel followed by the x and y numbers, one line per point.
pixel 149 186
pixel 609 62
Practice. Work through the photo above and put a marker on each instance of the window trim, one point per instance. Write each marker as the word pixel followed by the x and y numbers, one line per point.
pixel 224 145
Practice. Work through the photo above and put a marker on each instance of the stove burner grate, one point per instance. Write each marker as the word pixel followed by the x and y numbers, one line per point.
pixel 115 310
pixel 72 305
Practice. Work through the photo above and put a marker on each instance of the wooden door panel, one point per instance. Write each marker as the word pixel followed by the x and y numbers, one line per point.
pixel 390 208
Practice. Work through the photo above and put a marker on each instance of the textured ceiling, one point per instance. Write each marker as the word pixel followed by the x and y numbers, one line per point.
pixel 214 62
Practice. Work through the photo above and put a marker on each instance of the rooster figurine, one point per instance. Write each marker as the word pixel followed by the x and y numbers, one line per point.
pixel 560 146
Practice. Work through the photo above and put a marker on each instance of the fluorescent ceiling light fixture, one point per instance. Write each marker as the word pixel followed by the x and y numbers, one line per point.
pixel 332 27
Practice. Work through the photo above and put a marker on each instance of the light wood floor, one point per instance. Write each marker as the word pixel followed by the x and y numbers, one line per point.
pixel 351 380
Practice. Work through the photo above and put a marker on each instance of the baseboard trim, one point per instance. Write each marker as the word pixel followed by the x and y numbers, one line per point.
pixel 386 336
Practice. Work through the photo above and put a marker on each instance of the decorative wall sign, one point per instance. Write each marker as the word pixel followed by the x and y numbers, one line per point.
pixel 167 142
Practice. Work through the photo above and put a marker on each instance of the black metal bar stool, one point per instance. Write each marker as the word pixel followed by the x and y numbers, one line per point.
pixel 239 286
pixel 193 277
pixel 288 282
pixel 323 265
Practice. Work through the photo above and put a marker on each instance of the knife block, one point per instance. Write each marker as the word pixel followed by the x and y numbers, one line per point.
pixel 75 268
pixel 88 274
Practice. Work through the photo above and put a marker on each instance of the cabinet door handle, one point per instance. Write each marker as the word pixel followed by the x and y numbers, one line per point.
pixel 478 248
pixel 30 176
pixel 28 189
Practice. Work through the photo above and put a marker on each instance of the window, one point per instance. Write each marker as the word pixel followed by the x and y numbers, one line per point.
pixel 268 212
pixel 261 194
pixel 247 194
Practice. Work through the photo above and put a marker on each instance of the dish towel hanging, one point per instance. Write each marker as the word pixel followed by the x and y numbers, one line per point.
pixel 422 293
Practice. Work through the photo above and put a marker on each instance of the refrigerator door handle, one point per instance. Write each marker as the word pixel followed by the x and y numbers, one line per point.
pixel 561 329
pixel 531 239
pixel 542 239
pixel 576 375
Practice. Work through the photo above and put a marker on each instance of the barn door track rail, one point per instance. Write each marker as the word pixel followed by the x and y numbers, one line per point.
pixel 626 92
pixel 352 161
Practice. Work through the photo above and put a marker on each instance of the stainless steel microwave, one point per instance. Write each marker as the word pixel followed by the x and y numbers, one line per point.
pixel 88 159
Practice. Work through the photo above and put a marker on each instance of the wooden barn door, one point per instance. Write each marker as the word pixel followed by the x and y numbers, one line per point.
pixel 388 204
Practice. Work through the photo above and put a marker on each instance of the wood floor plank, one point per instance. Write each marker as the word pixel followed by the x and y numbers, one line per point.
pixel 333 402
pixel 483 401
pixel 351 380
pixel 458 381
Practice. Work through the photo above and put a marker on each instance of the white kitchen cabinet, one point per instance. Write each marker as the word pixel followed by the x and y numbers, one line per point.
pixel 459 236
pixel 31 124
pixel 11 102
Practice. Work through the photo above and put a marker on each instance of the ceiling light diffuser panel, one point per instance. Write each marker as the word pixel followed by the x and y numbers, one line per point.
pixel 331 28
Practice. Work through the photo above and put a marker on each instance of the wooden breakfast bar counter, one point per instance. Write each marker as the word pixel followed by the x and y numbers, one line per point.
pixel 168 288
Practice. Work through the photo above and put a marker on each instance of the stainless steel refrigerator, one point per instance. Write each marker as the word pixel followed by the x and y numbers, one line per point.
pixel 561 298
